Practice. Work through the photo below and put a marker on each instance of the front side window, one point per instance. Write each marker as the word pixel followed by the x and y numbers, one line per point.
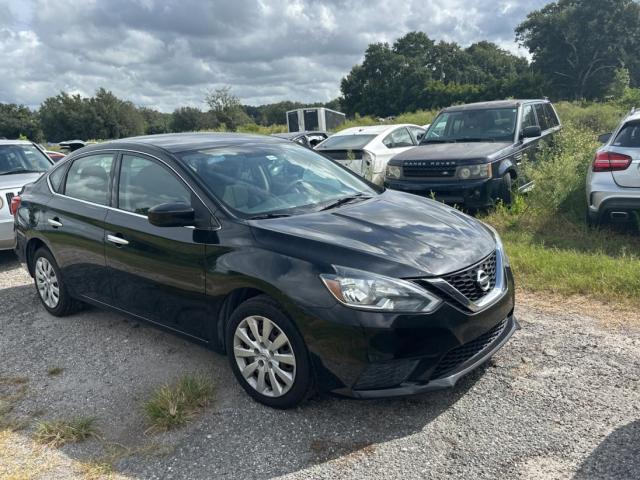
pixel 418 133
pixel 89 179
pixel 398 138
pixel 15 159
pixel 487 124
pixel 255 180
pixel 145 183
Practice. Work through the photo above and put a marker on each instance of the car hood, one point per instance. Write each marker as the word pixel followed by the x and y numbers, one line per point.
pixel 17 181
pixel 452 151
pixel 394 234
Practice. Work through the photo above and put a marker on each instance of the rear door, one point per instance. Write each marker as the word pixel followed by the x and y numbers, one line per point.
pixel 157 273
pixel 627 142
pixel 74 223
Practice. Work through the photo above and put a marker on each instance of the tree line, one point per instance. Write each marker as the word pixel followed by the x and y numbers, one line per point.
pixel 580 49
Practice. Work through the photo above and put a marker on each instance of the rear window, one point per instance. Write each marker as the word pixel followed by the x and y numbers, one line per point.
pixel 629 136
pixel 346 142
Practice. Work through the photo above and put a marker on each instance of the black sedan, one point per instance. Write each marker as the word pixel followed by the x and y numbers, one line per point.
pixel 307 276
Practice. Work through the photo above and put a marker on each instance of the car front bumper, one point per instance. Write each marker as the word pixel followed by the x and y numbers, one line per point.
pixel 404 354
pixel 470 193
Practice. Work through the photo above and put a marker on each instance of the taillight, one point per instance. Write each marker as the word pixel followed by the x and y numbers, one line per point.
pixel 15 204
pixel 610 161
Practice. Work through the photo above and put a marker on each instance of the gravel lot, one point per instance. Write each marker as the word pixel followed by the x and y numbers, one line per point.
pixel 561 400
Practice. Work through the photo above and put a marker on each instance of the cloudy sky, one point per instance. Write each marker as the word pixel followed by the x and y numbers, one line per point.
pixel 166 53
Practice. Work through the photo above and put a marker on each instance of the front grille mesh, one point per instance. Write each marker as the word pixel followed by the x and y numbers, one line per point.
pixel 466 281
pixel 429 171
pixel 385 375
pixel 459 355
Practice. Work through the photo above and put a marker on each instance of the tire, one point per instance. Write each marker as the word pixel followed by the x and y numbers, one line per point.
pixel 257 357
pixel 506 189
pixel 50 286
pixel 590 220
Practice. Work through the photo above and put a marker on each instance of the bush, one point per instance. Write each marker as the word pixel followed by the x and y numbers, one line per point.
pixel 595 117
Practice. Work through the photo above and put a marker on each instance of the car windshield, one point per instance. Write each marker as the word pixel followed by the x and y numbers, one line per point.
pixel 262 180
pixel 16 159
pixel 494 124
pixel 346 142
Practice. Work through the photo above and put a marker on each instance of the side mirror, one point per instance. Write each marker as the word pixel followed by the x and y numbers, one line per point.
pixel 604 138
pixel 531 132
pixel 172 215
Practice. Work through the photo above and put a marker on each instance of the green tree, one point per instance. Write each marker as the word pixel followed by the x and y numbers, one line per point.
pixel 16 120
pixel 67 117
pixel 227 108
pixel 154 121
pixel 192 119
pixel 113 117
pixel 579 44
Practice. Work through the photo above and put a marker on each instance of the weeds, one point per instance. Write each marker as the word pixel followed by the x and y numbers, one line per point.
pixel 173 405
pixel 52 372
pixel 60 432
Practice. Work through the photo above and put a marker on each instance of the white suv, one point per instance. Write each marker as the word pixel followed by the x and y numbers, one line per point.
pixel 613 181
pixel 366 150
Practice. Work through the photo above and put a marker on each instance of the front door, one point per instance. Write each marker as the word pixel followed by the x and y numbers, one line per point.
pixel 75 225
pixel 157 273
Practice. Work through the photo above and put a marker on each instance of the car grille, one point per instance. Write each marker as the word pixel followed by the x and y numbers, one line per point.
pixel 466 281
pixel 459 355
pixel 385 375
pixel 429 171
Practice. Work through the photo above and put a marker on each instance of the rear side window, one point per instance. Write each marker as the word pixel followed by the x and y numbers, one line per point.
pixel 528 117
pixel 145 183
pixel 542 117
pixel 56 178
pixel 629 136
pixel 89 179
pixel 552 118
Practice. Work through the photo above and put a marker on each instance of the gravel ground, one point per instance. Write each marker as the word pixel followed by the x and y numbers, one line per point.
pixel 561 400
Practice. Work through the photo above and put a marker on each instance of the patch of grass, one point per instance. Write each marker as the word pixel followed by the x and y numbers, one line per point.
pixel 173 405
pixel 54 371
pixel 95 470
pixel 60 432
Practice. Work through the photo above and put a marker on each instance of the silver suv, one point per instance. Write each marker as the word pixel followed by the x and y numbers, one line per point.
pixel 613 181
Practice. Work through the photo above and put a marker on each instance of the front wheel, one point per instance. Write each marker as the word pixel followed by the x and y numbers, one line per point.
pixel 268 355
pixel 506 189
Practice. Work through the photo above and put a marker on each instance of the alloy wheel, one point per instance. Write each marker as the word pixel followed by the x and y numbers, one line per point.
pixel 47 283
pixel 264 356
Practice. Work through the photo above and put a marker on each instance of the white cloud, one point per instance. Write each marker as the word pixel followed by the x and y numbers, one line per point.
pixel 168 53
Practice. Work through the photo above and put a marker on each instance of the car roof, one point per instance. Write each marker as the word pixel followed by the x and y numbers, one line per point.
pixel 15 142
pixel 290 135
pixel 633 116
pixel 373 129
pixel 492 104
pixel 182 142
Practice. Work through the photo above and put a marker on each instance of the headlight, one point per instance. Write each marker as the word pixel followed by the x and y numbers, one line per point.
pixel 499 244
pixel 393 171
pixel 369 291
pixel 474 171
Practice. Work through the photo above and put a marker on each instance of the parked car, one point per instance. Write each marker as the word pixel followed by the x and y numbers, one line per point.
pixel 21 162
pixel 72 145
pixel 53 155
pixel 613 181
pixel 472 154
pixel 366 150
pixel 306 139
pixel 304 274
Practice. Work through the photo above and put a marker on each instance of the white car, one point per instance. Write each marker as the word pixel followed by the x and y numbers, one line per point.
pixel 366 150
pixel 21 162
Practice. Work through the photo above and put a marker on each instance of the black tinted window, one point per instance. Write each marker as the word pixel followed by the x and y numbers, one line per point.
pixel 145 183
pixel 88 179
pixel 629 136
pixel 552 119
pixel 56 178
pixel 542 117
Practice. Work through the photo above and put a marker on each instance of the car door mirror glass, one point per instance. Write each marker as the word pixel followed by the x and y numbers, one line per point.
pixel 604 138
pixel 531 132
pixel 172 215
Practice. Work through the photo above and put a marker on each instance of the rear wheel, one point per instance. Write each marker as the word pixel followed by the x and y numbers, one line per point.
pixel 267 354
pixel 50 286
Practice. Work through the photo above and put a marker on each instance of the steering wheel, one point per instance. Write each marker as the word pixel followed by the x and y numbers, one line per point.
pixel 294 185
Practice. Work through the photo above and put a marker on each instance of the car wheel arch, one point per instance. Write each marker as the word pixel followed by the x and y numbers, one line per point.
pixel 33 245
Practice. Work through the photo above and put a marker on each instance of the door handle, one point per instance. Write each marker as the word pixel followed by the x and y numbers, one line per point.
pixel 117 240
pixel 54 222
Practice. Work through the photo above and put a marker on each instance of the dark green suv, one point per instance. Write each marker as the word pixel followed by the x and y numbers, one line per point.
pixel 472 154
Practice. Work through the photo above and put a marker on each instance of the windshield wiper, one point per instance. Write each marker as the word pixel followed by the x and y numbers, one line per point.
pixel 21 170
pixel 265 216
pixel 438 140
pixel 475 139
pixel 344 200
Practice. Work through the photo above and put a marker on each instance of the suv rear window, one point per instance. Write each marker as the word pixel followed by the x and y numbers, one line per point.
pixel 629 136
